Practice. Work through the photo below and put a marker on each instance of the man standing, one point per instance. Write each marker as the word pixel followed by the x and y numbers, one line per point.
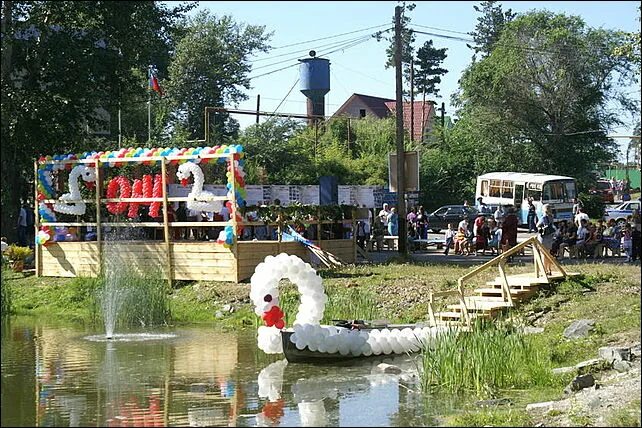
pixel 22 225
pixel 499 215
pixel 482 207
pixel 532 216
pixel 581 215
pixel 384 214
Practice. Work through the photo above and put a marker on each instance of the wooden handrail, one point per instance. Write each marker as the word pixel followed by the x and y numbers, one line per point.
pixel 517 248
pixel 539 252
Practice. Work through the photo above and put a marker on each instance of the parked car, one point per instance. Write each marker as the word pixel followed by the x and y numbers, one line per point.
pixel 604 189
pixel 439 219
pixel 621 212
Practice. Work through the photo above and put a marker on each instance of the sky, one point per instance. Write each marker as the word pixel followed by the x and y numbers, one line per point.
pixel 297 27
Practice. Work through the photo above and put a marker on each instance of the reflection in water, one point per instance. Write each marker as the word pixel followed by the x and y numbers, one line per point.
pixel 333 386
pixel 198 377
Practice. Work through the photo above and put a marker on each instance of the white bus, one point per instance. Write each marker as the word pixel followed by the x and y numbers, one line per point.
pixel 514 188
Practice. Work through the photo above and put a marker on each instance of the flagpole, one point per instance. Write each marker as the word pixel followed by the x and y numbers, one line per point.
pixel 149 106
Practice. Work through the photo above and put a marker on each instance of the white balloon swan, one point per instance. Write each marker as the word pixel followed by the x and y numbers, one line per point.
pixel 307 331
pixel 199 200
pixel 71 203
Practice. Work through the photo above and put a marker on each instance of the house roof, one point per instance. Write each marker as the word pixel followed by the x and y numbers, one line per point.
pixel 424 114
pixel 376 105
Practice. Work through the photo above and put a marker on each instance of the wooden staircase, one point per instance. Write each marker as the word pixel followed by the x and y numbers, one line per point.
pixel 504 292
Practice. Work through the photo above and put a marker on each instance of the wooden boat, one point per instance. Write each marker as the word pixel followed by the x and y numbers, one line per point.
pixel 305 355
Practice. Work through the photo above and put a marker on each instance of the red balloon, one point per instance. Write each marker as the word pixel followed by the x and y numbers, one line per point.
pixel 274 317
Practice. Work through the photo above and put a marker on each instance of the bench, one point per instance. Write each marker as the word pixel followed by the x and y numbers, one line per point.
pixel 391 242
pixel 425 243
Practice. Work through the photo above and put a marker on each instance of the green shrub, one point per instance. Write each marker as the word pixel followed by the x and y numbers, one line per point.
pixel 593 205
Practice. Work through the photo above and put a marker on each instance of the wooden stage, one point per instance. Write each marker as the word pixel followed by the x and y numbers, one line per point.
pixel 188 260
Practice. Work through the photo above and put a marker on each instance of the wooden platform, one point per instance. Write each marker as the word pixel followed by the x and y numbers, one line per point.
pixel 190 260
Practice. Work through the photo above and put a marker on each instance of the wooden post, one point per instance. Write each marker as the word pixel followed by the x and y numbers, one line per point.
pixel 99 233
pixel 354 235
pixel 168 245
pixel 36 224
pixel 233 215
pixel 319 225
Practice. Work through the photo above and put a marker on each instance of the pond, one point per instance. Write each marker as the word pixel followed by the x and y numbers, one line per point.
pixel 59 375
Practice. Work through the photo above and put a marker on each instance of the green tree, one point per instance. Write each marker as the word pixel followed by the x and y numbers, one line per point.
pixel 274 156
pixel 428 72
pixel 489 26
pixel 210 69
pixel 541 97
pixel 407 40
pixel 61 61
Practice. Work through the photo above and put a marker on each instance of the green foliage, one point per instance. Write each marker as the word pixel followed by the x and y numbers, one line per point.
pixel 489 26
pixel 593 205
pixel 493 418
pixel 17 253
pixel 210 69
pixel 60 62
pixel 528 107
pixel 274 155
pixel 427 74
pixel 6 306
pixel 484 361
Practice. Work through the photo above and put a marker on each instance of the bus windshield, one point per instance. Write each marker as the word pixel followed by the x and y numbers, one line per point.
pixel 558 191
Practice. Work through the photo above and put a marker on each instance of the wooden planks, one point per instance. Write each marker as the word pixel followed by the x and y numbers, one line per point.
pixel 190 260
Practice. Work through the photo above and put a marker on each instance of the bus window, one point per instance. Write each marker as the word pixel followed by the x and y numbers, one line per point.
pixel 554 191
pixel 495 188
pixel 484 188
pixel 507 189
pixel 570 190
pixel 536 195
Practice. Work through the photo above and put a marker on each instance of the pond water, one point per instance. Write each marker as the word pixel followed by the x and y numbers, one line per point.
pixel 62 375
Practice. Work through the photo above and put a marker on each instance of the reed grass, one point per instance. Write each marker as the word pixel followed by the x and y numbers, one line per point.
pixel 489 358
pixel 346 304
pixel 5 293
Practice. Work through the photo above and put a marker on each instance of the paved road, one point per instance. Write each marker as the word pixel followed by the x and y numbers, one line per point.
pixel 433 255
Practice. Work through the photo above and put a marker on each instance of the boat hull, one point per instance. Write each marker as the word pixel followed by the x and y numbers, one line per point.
pixel 305 355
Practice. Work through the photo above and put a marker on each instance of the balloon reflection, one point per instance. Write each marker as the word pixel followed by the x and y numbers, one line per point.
pixel 327 386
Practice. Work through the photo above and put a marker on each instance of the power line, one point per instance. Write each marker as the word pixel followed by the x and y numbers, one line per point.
pixel 358 72
pixel 330 37
pixel 286 95
pixel 344 46
pixel 441 29
pixel 330 46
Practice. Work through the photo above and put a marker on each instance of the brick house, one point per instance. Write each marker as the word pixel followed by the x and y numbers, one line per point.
pixel 359 106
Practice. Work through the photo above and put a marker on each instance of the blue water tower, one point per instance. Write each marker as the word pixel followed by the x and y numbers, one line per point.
pixel 314 75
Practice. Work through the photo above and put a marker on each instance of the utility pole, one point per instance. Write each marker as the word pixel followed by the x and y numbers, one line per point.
pixel 258 105
pixel 443 123
pixel 412 100
pixel 401 161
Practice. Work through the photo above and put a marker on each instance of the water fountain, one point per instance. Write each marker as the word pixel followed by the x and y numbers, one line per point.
pixel 118 273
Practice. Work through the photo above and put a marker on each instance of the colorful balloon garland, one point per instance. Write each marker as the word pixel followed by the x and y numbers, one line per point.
pixel 227 237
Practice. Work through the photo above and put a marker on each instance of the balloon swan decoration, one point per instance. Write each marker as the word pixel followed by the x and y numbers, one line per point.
pixel 307 329
pixel 200 200
pixel 71 203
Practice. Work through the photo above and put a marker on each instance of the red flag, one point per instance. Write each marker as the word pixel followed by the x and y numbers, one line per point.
pixel 153 82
